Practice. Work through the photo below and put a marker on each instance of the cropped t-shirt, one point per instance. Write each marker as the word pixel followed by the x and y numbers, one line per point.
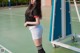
pixel 31 18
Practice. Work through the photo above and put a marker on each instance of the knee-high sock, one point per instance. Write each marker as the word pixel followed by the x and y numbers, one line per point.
pixel 40 49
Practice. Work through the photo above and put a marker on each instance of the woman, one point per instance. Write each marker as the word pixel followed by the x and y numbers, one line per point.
pixel 33 16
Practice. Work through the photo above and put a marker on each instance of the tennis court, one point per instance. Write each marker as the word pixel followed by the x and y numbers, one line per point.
pixel 16 38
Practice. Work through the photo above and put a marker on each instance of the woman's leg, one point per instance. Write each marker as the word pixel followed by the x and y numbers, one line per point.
pixel 38 44
pixel 37 37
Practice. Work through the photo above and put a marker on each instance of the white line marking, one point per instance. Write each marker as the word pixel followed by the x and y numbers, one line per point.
pixel 5 49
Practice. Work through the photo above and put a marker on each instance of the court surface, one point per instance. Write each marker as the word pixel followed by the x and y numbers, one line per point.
pixel 17 38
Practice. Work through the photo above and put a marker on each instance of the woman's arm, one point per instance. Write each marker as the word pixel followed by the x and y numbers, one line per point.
pixel 33 23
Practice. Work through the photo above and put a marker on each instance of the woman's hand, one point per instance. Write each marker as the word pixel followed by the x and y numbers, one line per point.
pixel 25 24
pixel 37 22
